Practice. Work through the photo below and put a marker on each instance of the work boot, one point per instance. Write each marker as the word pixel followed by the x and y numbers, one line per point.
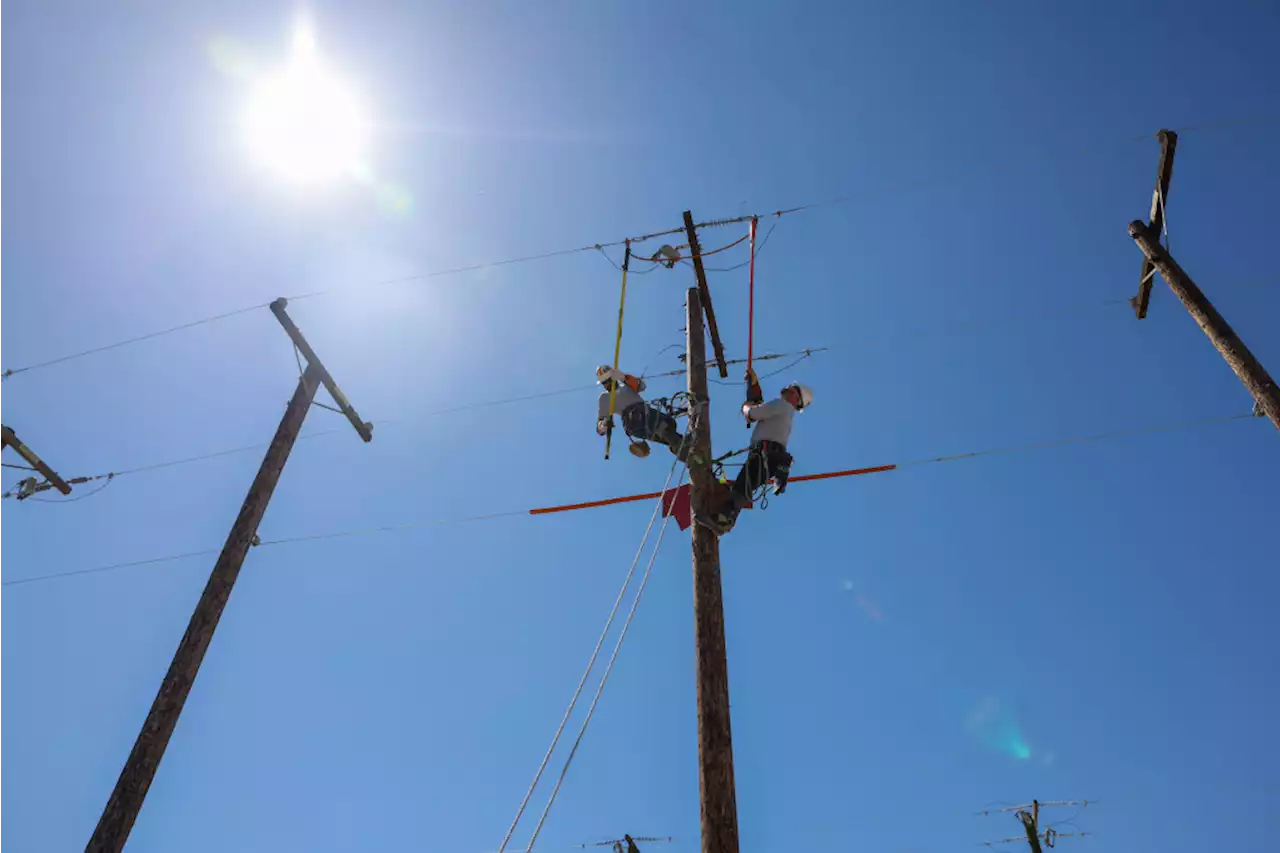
pixel 703 520
pixel 718 524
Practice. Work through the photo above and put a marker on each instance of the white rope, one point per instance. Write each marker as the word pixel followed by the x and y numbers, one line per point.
pixel 644 580
pixel 590 664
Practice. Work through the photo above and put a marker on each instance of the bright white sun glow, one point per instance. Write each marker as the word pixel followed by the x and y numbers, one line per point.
pixel 303 122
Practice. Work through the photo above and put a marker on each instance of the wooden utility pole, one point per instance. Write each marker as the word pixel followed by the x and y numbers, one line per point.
pixel 1031 823
pixel 1159 198
pixel 1251 372
pixel 695 250
pixel 1029 816
pixel 8 439
pixel 715 738
pixel 140 769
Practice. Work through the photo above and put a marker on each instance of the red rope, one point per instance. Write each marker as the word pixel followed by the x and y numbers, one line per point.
pixel 751 298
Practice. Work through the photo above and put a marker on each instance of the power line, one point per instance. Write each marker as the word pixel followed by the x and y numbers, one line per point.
pixel 906 187
pixel 216 454
pixel 95 350
pixel 513 513
pixel 578 389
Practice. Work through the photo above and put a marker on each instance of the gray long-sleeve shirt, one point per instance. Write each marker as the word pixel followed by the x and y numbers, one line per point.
pixel 772 420
pixel 623 397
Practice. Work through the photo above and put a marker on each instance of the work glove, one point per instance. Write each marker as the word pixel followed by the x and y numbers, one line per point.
pixel 754 393
pixel 603 425
pixel 746 410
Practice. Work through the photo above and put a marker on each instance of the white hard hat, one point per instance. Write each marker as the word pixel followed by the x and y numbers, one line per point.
pixel 805 392
pixel 604 372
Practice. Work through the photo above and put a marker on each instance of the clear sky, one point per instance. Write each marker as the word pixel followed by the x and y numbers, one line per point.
pixel 908 648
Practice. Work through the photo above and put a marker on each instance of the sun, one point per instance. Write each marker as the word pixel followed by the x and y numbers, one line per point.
pixel 303 122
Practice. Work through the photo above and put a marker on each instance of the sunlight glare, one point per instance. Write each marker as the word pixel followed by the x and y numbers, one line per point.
pixel 303 122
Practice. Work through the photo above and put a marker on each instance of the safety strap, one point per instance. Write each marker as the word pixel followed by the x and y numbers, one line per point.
pixel 617 350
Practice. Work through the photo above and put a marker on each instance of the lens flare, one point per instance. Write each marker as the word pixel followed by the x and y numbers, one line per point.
pixel 995 725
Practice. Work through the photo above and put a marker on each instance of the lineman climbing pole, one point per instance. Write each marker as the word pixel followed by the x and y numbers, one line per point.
pixel 1156 258
pixel 140 769
pixel 715 738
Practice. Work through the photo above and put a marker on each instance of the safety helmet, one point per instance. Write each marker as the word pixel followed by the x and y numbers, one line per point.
pixel 805 392
pixel 604 373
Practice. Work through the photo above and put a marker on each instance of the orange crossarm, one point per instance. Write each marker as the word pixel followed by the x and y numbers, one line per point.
pixel 590 504
pixel 852 472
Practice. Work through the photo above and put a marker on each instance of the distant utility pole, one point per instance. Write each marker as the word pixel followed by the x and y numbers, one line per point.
pixel 8 439
pixel 1029 815
pixel 140 769
pixel 1156 258
pixel 1164 174
pixel 715 737
pixel 1251 372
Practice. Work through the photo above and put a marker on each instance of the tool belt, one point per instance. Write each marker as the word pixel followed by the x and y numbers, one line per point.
pixel 635 420
pixel 777 463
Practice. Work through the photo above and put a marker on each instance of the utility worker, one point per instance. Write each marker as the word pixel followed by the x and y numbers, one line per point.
pixel 640 420
pixel 768 456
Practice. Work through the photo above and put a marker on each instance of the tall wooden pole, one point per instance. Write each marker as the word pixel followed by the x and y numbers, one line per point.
pixel 1228 343
pixel 715 738
pixel 140 769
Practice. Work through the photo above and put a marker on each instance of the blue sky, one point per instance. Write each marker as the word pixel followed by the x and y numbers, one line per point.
pixel 905 649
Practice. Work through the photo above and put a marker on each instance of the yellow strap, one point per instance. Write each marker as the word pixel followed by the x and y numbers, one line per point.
pixel 617 347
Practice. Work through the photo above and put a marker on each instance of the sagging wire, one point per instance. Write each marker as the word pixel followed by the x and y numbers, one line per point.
pixel 72 500
pixel 615 265
pixel 763 242
pixel 805 355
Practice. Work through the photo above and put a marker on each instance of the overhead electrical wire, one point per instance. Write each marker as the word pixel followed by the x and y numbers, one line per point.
pixel 631 498
pixel 800 356
pixel 246 448
pixel 906 187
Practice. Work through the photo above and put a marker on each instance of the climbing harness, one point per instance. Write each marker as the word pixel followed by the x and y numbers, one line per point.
pixel 617 350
